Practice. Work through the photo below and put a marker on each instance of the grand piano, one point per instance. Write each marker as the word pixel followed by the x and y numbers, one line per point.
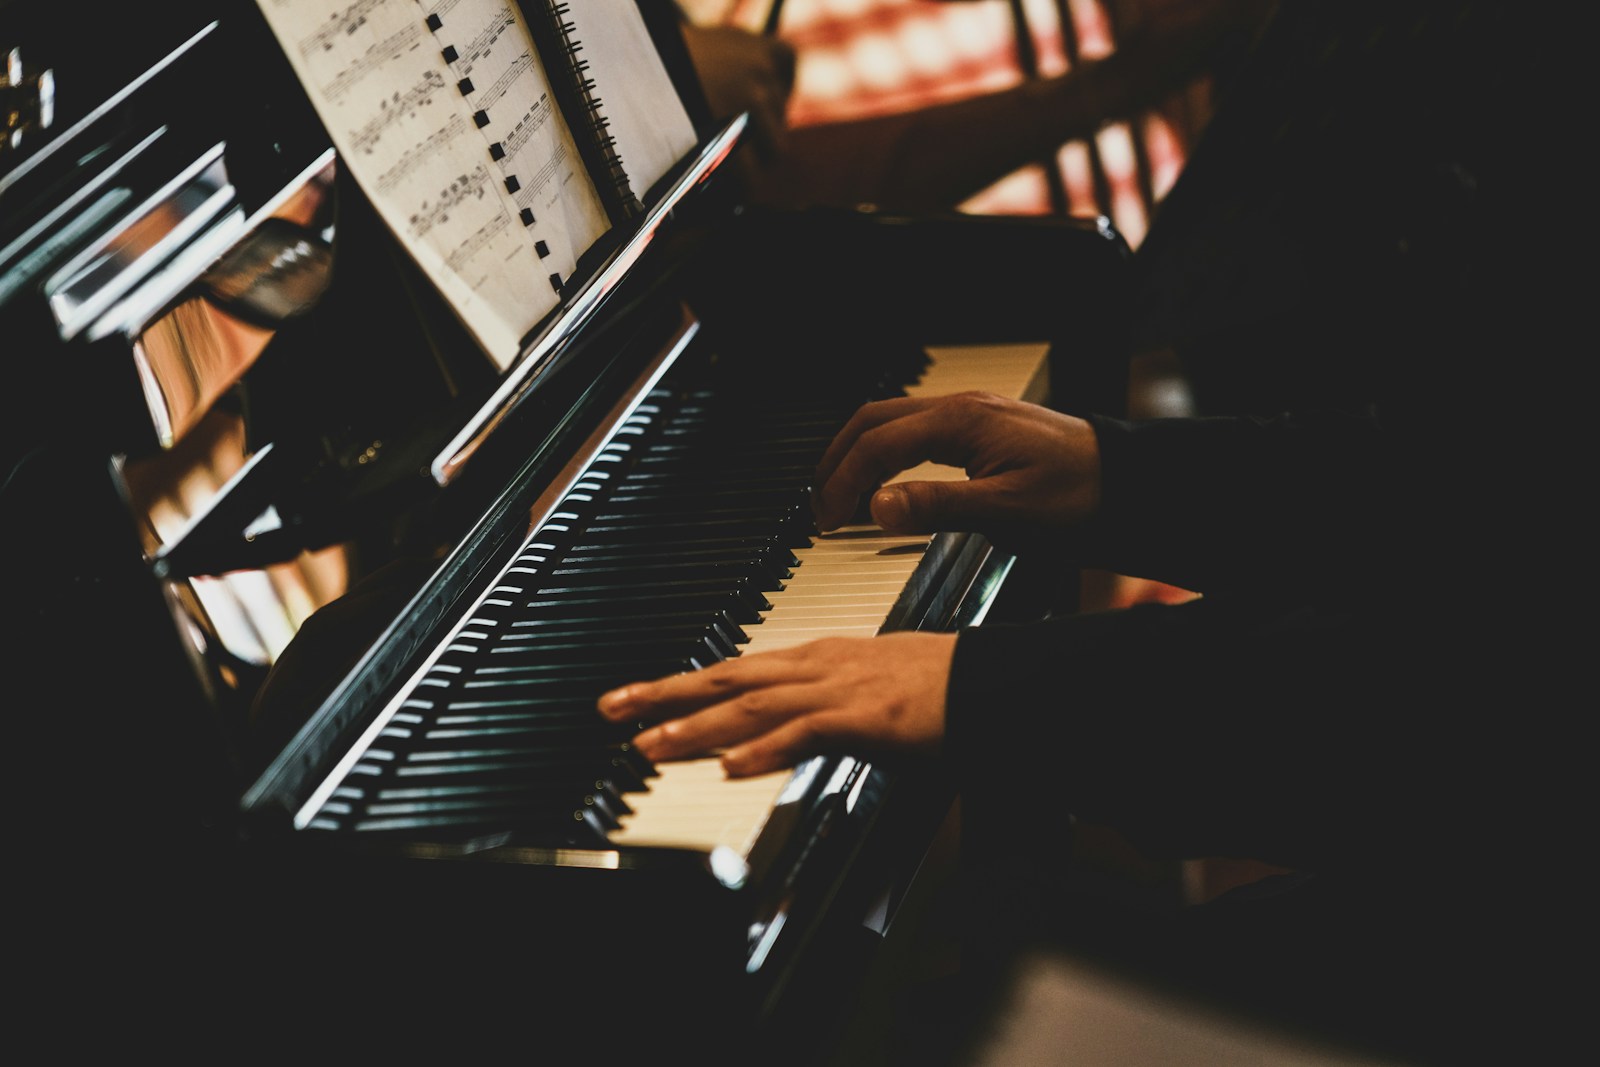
pixel 309 602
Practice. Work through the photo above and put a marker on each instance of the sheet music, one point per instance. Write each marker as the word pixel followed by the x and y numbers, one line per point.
pixel 443 114
pixel 637 97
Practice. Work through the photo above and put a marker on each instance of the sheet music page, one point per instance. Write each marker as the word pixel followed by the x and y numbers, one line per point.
pixel 652 129
pixel 443 114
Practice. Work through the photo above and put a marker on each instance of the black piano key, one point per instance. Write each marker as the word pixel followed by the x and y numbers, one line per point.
pixel 525 759
pixel 796 534
pixel 777 558
pixel 734 446
pixel 429 792
pixel 766 543
pixel 795 469
pixel 580 826
pixel 558 679
pixel 703 467
pixel 736 607
pixel 777 516
pixel 719 642
pixel 719 627
pixel 506 799
pixel 618 763
pixel 566 659
pixel 548 735
pixel 724 574
pixel 514 767
pixel 655 566
pixel 563 814
pixel 480 796
pixel 595 648
pixel 720 619
pixel 669 506
pixel 624 585
pixel 508 770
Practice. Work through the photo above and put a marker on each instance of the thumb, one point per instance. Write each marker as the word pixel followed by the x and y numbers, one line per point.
pixel 921 507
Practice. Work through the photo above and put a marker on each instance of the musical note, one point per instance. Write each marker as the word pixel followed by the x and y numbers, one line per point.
pixel 414 157
pixel 465 187
pixel 487 98
pixel 373 60
pixel 439 10
pixel 339 24
pixel 480 45
pixel 513 140
pixel 481 238
pixel 394 108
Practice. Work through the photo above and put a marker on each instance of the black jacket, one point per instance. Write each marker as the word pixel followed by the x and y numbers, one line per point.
pixel 1381 509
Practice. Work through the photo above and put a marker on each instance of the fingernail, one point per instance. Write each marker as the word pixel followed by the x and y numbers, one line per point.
pixel 890 508
pixel 646 742
pixel 615 702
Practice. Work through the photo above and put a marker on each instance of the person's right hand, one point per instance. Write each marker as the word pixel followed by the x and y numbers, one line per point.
pixel 1033 473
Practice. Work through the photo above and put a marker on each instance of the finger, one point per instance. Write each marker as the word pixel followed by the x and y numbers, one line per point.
pixel 865 418
pixel 920 507
pixel 785 745
pixel 923 432
pixel 834 729
pixel 678 694
pixel 859 458
pixel 646 702
pixel 750 714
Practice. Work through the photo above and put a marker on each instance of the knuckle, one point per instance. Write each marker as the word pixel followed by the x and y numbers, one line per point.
pixel 973 403
pixel 751 705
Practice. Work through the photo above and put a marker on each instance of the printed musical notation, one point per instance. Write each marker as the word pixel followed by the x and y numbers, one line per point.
pixel 413 157
pixel 497 90
pixel 442 113
pixel 495 173
pixel 466 251
pixel 339 24
pixel 436 211
pixel 514 108
pixel 399 105
pixel 517 138
pixel 481 45
pixel 373 60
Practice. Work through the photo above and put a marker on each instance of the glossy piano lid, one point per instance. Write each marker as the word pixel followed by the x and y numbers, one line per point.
pixel 91 53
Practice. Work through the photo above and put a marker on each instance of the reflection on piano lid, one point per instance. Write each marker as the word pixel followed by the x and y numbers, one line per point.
pixel 151 236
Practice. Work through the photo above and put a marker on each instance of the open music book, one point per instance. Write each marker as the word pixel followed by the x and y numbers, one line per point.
pixel 499 140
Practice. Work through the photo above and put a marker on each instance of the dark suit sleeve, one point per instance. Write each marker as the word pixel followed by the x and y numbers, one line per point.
pixel 1201 729
pixel 1258 506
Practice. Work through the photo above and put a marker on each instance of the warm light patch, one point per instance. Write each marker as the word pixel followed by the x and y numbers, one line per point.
pixel 859 58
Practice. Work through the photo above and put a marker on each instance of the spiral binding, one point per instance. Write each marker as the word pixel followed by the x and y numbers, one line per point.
pixel 615 187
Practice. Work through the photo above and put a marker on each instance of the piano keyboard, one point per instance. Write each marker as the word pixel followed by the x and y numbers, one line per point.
pixel 686 540
pixel 845 584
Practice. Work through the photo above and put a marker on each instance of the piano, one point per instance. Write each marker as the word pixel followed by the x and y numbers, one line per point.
pixel 310 603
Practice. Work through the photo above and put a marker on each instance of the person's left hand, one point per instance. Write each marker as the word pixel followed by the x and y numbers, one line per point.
pixel 770 710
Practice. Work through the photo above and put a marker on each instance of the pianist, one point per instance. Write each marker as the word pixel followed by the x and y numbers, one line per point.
pixel 1369 690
